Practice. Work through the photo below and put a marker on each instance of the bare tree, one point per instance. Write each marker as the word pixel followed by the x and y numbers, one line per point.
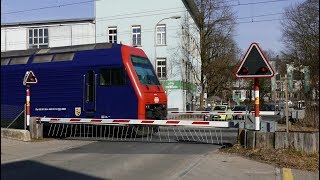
pixel 216 47
pixel 301 37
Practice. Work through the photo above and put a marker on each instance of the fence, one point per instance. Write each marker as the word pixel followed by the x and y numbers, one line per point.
pixel 304 142
pixel 12 116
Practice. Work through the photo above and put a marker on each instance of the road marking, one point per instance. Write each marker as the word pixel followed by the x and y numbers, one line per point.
pixel 287 174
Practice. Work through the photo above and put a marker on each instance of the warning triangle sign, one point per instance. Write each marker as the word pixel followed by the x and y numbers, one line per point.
pixel 254 64
pixel 29 78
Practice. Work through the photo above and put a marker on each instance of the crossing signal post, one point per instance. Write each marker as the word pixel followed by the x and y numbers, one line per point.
pixel 29 78
pixel 255 65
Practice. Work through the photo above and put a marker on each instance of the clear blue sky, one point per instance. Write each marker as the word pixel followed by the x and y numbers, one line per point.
pixel 266 33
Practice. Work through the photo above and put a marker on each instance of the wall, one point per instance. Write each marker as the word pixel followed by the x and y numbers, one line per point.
pixel 299 141
pixel 71 34
pixel 15 38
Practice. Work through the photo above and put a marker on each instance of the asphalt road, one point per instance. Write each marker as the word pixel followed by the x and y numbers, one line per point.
pixel 96 160
pixel 136 160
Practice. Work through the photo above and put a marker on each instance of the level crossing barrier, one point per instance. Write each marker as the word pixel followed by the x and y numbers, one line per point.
pixel 210 132
pixel 180 126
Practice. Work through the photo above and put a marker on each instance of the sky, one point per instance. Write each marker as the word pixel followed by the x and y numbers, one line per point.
pixel 257 20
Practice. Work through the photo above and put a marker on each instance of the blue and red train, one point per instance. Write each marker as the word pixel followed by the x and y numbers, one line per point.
pixel 87 81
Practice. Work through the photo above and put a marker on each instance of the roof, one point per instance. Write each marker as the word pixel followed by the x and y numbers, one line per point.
pixel 52 50
pixel 45 22
pixel 193 10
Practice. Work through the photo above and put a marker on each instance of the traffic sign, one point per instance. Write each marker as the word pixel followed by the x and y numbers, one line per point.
pixel 29 78
pixel 254 64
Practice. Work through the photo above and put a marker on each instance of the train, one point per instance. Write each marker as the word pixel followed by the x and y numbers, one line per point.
pixel 101 80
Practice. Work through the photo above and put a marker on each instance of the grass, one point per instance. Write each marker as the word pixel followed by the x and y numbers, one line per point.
pixel 278 157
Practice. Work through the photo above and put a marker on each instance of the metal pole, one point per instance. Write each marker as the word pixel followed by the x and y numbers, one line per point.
pixel 256 104
pixel 287 108
pixel 28 105
pixel 25 117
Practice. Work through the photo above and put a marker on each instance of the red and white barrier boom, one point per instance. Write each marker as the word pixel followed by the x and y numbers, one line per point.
pixel 265 113
pixel 218 124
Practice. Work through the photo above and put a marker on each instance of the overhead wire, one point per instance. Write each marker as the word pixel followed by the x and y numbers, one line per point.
pixel 90 1
pixel 129 32
pixel 47 7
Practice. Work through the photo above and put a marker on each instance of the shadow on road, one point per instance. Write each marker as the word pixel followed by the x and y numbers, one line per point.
pixel 34 170
pixel 105 147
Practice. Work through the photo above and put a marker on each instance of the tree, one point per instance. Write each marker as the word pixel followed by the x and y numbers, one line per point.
pixel 216 48
pixel 300 27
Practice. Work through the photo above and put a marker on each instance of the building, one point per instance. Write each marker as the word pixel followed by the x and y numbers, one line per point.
pixel 166 31
pixel 42 34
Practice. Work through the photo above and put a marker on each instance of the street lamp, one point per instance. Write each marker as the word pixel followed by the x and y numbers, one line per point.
pixel 155 36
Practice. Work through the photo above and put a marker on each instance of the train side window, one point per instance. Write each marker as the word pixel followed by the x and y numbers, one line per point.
pixel 90 86
pixel 63 57
pixel 42 59
pixel 19 60
pixel 112 77
pixel 5 61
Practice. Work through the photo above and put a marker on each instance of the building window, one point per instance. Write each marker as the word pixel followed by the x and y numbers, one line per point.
pixel 38 38
pixel 161 35
pixel 112 31
pixel 161 68
pixel 136 35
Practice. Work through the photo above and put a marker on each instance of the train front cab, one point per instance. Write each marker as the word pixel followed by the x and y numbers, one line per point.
pixel 152 100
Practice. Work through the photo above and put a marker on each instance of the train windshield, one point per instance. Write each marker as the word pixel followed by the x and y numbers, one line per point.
pixel 144 70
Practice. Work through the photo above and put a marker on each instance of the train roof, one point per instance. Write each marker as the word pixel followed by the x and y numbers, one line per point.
pixel 57 50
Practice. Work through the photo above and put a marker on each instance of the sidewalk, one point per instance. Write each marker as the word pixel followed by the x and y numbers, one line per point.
pixel 14 150
pixel 241 168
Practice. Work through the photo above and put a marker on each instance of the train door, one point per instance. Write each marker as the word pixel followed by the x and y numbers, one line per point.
pixel 89 93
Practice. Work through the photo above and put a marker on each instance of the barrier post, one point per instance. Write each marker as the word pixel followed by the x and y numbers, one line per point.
pixel 36 128
pixel 28 104
pixel 25 117
pixel 29 78
pixel 256 104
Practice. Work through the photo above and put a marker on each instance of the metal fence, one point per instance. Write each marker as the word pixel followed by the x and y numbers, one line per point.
pixel 12 116
pixel 146 133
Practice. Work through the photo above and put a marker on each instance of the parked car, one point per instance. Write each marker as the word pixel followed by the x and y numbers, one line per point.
pixel 239 108
pixel 219 117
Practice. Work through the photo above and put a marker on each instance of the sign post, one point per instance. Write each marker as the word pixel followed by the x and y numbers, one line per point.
pixel 29 78
pixel 256 104
pixel 255 65
pixel 28 105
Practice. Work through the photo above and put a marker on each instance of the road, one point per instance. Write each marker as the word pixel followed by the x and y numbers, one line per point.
pixel 97 160
pixel 94 160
